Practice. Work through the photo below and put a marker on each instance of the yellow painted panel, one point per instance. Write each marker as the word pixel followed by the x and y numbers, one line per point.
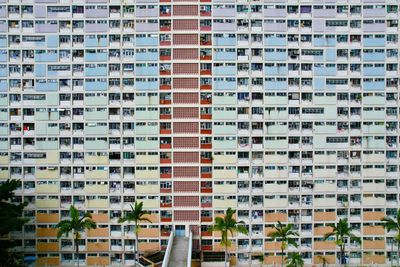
pixel 46 174
pixel 47 188
pixel 96 174
pixel 47 203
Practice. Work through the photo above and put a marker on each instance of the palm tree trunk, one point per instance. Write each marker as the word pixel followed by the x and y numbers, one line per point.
pixel 391 254
pixel 77 250
pixel 342 260
pixel 226 255
pixel 136 249
pixel 398 253
pixel 282 251
pixel 136 243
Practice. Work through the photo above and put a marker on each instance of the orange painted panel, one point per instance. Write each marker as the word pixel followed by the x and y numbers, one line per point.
pixel 47 246
pixel 218 247
pixel 273 246
pixel 324 245
pixel 373 216
pixel 324 216
pixel 373 230
pixel 48 261
pixel 95 247
pixel 47 218
pixel 100 218
pixel 102 261
pixel 148 246
pixel 154 217
pixel 46 232
pixel 374 259
pixel 322 230
pixel 149 232
pixel 373 244
pixel 102 232
pixel 273 260
pixel 274 217
pixel 330 259
pixel 268 230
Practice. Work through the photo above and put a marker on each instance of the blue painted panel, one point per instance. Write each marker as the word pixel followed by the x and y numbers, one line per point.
pixel 146 85
pixel 221 41
pixel 3 56
pixel 373 71
pixel 218 56
pixel 97 71
pixel 374 86
pixel 275 56
pixel 53 86
pixel 91 42
pixel 3 71
pixel 52 41
pixel 146 71
pixel 96 86
pixel 3 41
pixel 330 54
pixel 275 41
pixel 147 41
pixel 152 56
pixel 276 70
pixel 40 70
pixel 3 86
pixel 374 56
pixel 224 85
pixel 374 42
pixel 46 57
pixel 226 70
pixel 325 71
pixel 101 56
pixel 319 83
pixel 275 85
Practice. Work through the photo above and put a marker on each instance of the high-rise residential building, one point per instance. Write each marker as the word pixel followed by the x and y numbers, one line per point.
pixel 282 110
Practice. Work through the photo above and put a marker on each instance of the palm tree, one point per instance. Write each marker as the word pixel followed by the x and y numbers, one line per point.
pixel 323 259
pixel 294 260
pixel 285 234
pixel 261 259
pixel 75 225
pixel 225 225
pixel 341 231
pixel 391 224
pixel 136 215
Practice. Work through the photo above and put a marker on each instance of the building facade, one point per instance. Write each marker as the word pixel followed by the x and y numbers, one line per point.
pixel 283 110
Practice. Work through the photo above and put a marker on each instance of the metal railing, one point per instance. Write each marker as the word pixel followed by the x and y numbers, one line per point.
pixel 168 250
pixel 189 256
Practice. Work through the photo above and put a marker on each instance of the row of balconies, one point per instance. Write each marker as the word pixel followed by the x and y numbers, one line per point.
pixel 155 188
pixel 221 203
pixel 257 158
pixel 218 99
pixel 113 100
pixel 165 40
pixel 165 69
pixel 153 10
pixel 227 25
pixel 155 174
pixel 269 217
pixel 149 84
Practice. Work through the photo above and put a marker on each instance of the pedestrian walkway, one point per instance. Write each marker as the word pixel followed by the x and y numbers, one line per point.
pixel 179 252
